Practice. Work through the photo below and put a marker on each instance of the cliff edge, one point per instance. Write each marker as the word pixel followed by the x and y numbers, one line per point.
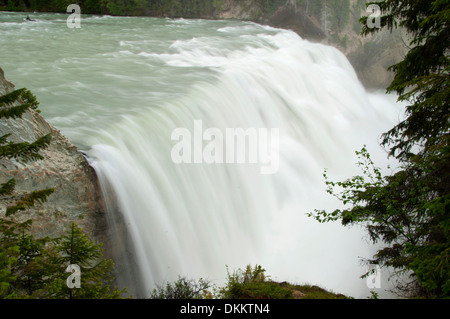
pixel 77 195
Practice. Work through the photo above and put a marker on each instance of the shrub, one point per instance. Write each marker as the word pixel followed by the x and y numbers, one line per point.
pixel 183 288
pixel 252 283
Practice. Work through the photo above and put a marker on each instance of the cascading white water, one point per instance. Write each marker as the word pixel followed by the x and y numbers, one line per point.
pixel 119 87
pixel 194 219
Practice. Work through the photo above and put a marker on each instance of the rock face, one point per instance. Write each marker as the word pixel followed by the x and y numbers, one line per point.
pixel 307 26
pixel 370 56
pixel 77 195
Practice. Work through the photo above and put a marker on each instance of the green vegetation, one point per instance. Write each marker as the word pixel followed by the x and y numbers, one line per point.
pixel 408 211
pixel 248 283
pixel 22 151
pixel 20 254
pixel 185 8
pixel 252 283
pixel 183 288
pixel 75 248
pixel 36 5
pixel 36 267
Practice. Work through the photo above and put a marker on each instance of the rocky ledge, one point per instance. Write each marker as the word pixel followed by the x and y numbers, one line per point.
pixel 77 195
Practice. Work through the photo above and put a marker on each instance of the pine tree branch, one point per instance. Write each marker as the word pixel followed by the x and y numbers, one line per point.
pixel 14 111
pixel 4 139
pixel 29 200
pixel 8 187
pixel 22 96
pixel 25 151
pixel 10 98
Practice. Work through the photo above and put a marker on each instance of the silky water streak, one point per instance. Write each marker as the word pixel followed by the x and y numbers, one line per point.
pixel 194 220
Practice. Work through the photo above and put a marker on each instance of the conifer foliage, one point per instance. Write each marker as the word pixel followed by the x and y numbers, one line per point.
pixel 76 248
pixel 409 211
pixel 12 106
pixel 20 254
pixel 36 267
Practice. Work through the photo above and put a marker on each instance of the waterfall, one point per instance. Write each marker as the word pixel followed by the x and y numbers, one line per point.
pixel 194 219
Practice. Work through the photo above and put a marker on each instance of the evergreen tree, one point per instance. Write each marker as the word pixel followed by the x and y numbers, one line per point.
pixel 409 211
pixel 95 277
pixel 421 78
pixel 31 269
pixel 19 252
pixel 22 151
pixel 9 254
pixel 36 268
